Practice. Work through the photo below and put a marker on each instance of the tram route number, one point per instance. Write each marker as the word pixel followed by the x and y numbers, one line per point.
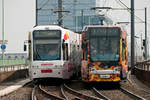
pixel 104 76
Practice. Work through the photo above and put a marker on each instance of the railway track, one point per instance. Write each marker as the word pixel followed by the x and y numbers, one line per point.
pixel 66 93
pixel 42 93
pixel 33 96
pixel 79 91
pixel 132 95
pixel 78 95
pixel 134 87
pixel 120 94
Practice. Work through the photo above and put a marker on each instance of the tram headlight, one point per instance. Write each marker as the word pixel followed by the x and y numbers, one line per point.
pixel 117 70
pixel 93 69
pixel 58 66
pixel 35 66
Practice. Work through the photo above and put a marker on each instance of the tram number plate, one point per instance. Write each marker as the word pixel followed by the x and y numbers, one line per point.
pixel 104 76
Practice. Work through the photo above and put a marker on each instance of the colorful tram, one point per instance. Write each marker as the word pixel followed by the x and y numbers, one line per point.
pixel 54 52
pixel 103 54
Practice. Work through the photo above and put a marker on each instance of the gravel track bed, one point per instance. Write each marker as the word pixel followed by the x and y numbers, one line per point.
pixel 23 93
pixel 135 90
pixel 82 88
pixel 53 90
pixel 69 95
pixel 52 86
pixel 40 96
pixel 115 94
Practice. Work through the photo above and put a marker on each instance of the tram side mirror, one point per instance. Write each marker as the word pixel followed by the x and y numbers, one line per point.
pixel 84 43
pixel 123 41
pixel 142 48
pixel 25 47
pixel 29 41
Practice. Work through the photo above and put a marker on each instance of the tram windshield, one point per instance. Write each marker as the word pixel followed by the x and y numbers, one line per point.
pixel 104 44
pixel 46 45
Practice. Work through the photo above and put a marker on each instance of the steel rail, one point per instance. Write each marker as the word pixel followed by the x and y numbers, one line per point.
pixel 49 94
pixel 63 93
pixel 33 97
pixel 80 95
pixel 133 83
pixel 127 92
pixel 77 98
pixel 135 96
pixel 100 95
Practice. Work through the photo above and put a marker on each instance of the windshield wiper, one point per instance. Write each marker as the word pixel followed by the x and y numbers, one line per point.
pixel 37 54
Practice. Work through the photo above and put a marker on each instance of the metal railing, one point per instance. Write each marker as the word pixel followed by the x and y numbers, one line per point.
pixel 145 65
pixel 12 68
pixel 10 62
pixel 12 65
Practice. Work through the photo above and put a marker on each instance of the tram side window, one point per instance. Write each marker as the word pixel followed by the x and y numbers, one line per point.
pixel 65 51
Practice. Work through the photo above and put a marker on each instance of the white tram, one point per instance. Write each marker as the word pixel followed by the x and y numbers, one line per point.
pixel 54 52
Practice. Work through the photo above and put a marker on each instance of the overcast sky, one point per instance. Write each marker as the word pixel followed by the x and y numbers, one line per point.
pixel 20 18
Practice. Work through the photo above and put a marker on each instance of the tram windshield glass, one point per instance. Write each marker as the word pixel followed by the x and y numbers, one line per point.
pixel 46 45
pixel 104 43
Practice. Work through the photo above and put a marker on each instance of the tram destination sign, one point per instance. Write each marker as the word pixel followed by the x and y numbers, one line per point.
pixel 104 31
pixel 47 33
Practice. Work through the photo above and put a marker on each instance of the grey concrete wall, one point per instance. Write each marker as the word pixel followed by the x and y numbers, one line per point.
pixel 143 76
pixel 13 75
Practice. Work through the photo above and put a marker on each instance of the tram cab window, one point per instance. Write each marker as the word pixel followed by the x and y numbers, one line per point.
pixel 65 51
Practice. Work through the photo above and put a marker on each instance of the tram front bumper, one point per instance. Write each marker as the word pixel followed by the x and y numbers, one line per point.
pixel 49 73
pixel 104 75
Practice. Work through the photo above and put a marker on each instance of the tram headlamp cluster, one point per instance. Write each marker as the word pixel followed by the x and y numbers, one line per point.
pixel 35 66
pixel 93 70
pixel 58 66
pixel 117 69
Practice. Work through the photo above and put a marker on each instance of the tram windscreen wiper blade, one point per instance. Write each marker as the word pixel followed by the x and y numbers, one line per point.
pixel 37 54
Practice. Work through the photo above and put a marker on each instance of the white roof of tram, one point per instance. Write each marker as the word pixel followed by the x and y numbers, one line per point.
pixel 47 27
